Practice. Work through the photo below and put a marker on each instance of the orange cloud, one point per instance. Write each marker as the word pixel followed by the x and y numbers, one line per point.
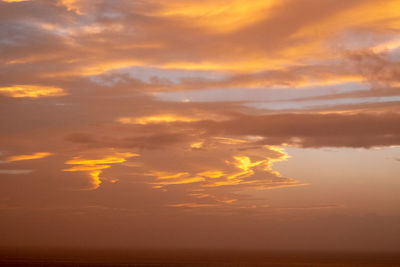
pixel 164 178
pixel 95 176
pixel 212 174
pixel 163 118
pixel 191 205
pixel 72 5
pixel 117 158
pixel 243 163
pixel 246 172
pixel 384 14
pixel 86 168
pixel 217 16
pixel 95 166
pixel 37 155
pixel 31 91
pixel 197 145
pixel 170 117
pixel 186 180
pixel 230 141
pixel 283 156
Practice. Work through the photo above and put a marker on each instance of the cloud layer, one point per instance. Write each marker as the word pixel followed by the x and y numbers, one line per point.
pixel 160 107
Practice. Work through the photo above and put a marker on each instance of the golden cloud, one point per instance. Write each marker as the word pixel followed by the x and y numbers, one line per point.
pixel 162 118
pixel 169 117
pixel 94 167
pixel 216 16
pixel 31 91
pixel 117 158
pixel 37 155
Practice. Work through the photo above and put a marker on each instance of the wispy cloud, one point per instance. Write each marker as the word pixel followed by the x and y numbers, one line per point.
pixel 95 166
pixel 31 91
pixel 15 172
pixel 37 155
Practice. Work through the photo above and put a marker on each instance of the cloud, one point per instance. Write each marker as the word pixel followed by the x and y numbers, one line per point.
pixel 31 91
pixel 15 172
pixel 216 16
pixel 155 119
pixel 380 70
pixel 185 112
pixel 117 158
pixel 348 129
pixel 94 167
pixel 37 155
pixel 230 33
pixel 314 130
pixel 11 1
pixel 217 175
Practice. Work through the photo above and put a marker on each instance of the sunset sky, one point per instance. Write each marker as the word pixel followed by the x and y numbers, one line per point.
pixel 241 124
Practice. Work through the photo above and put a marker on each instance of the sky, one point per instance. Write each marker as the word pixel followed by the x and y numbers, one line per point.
pixel 223 124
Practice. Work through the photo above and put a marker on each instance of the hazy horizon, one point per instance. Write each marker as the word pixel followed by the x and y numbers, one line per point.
pixel 210 257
